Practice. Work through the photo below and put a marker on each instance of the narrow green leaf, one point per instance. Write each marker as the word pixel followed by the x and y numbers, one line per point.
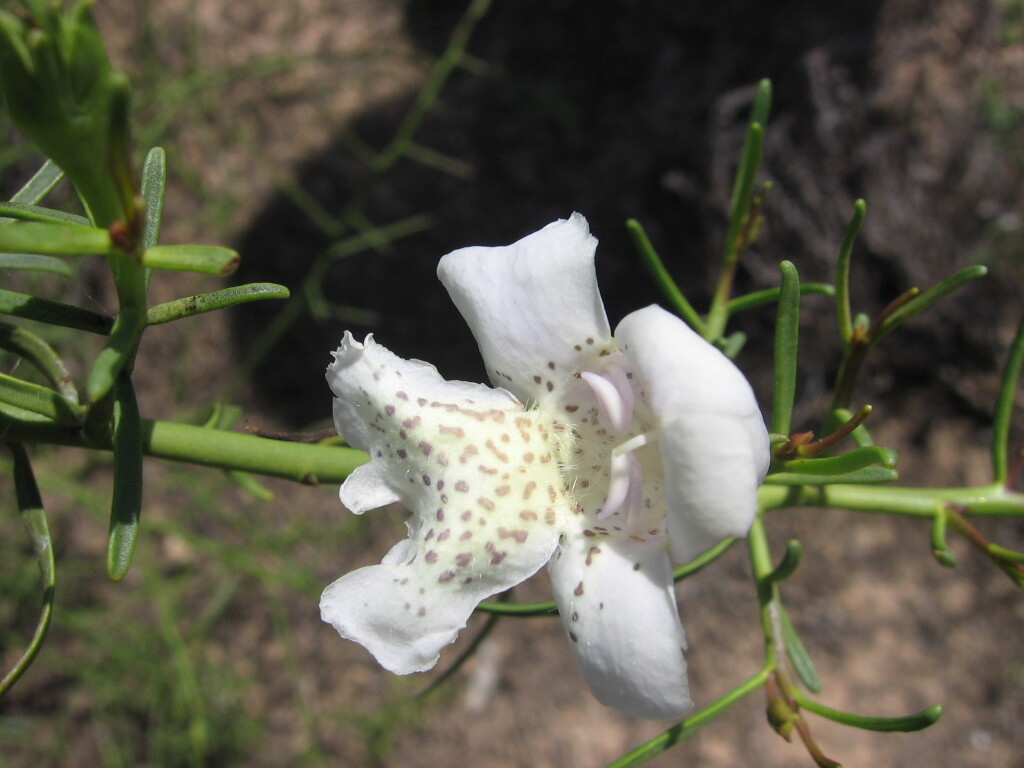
pixel 126 505
pixel 24 212
pixel 743 187
pixel 30 347
pixel 208 302
pixel 860 476
pixel 848 462
pixel 688 569
pixel 1004 406
pixel 843 311
pixel 662 278
pixel 40 185
pixel 762 106
pixel 28 261
pixel 798 655
pixel 787 331
pixel 115 355
pixel 915 722
pixel 154 183
pixel 250 485
pixel 693 722
pixel 41 400
pixel 30 307
pixel 789 563
pixel 733 344
pixel 924 300
pixel 205 259
pixel 53 239
pixel 940 547
pixel 771 296
pixel 1006 554
pixel 547 608
pixel 33 515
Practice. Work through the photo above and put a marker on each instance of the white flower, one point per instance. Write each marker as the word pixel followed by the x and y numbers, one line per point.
pixel 604 457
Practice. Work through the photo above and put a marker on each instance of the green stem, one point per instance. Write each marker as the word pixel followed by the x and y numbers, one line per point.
pixel 692 724
pixel 302 462
pixel 1004 407
pixel 980 501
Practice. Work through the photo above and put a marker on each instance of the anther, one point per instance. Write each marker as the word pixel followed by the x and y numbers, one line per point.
pixel 614 396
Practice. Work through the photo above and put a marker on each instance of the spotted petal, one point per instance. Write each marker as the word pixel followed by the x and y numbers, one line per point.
pixel 477 473
pixel 618 609
pixel 533 306
pixel 714 444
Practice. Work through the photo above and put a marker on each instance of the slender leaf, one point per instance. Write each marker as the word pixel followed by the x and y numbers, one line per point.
pixel 33 515
pixel 205 259
pixel 662 277
pixel 848 462
pixel 861 476
pixel 916 722
pixel 208 302
pixel 940 547
pixel 24 212
pixel 30 347
pixel 40 185
pixel 32 262
pixel 154 183
pixel 797 653
pixel 787 331
pixel 41 400
pixel 126 505
pixel 789 563
pixel 53 239
pixel 843 311
pixel 924 300
pixel 1004 406
pixel 1006 554
pixel 114 356
pixel 694 722
pixel 30 307
pixel 771 296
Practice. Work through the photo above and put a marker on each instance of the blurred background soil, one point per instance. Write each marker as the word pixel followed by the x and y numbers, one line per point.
pixel 212 652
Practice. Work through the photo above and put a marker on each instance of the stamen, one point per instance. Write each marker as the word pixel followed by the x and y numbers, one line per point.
pixel 625 472
pixel 638 441
pixel 614 396
pixel 626 478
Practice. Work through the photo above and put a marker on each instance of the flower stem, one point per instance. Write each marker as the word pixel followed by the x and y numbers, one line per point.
pixel 302 462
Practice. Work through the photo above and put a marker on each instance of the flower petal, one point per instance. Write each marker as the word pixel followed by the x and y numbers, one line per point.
pixel 408 608
pixel 480 476
pixel 533 306
pixel 714 444
pixel 618 608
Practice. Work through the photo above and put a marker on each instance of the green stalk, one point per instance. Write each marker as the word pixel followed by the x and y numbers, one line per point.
pixel 1004 407
pixel 692 724
pixel 302 462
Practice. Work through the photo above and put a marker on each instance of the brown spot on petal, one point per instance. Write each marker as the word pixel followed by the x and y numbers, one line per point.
pixel 445 577
pixel 579 589
pixel 431 556
pixel 591 552
pixel 527 514
pixel 462 559
pixel 462 486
